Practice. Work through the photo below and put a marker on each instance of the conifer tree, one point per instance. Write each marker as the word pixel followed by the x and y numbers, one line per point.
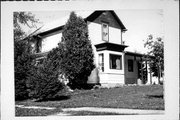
pixel 77 62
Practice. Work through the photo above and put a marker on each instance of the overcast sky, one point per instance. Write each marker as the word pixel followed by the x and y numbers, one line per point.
pixel 139 24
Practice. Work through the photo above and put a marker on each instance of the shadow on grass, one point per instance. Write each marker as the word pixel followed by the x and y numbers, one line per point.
pixel 57 98
pixel 90 113
pixel 155 96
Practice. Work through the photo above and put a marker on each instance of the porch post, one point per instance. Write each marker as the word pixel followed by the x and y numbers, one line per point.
pixel 150 78
pixel 146 77
pixel 124 67
pixel 141 70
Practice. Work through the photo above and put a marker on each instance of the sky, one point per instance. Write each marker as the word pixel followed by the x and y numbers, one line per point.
pixel 139 23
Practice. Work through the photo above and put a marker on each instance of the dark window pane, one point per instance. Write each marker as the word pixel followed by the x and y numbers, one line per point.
pixel 130 65
pixel 115 62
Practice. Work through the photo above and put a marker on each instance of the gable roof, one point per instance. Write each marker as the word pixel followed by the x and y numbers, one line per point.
pixel 95 14
pixel 86 15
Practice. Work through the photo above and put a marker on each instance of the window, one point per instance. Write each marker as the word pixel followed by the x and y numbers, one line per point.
pixel 101 62
pixel 130 65
pixel 39 62
pixel 105 32
pixel 115 62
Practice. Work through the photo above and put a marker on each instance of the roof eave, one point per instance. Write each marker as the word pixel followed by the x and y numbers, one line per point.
pixel 119 21
pixel 90 17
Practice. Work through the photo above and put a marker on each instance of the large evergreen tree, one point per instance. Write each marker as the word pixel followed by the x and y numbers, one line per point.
pixel 77 62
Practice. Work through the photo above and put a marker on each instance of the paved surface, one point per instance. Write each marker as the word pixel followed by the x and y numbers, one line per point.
pixel 114 110
pixel 67 111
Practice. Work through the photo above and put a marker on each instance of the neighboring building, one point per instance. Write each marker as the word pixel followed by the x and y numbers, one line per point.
pixel 115 65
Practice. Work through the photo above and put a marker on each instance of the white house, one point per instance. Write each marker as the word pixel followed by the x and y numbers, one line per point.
pixel 115 65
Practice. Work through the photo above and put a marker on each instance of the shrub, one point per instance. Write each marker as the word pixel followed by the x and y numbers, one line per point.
pixel 77 62
pixel 22 66
pixel 43 82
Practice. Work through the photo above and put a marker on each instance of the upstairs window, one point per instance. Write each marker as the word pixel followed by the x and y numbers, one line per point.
pixel 105 32
pixel 130 65
pixel 115 62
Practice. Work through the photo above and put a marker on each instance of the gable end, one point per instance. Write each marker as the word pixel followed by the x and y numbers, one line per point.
pixel 108 17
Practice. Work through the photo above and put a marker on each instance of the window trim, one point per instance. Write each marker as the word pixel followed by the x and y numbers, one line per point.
pixel 110 66
pixel 103 23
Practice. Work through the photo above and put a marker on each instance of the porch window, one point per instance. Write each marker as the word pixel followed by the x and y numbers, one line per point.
pixel 101 62
pixel 105 32
pixel 115 62
pixel 130 65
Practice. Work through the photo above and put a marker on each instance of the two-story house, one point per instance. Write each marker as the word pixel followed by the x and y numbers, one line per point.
pixel 115 65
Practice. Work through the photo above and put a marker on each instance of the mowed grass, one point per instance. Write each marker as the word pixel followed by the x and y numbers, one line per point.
pixel 132 97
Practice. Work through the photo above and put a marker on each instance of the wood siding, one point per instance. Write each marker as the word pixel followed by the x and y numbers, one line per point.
pixel 95 29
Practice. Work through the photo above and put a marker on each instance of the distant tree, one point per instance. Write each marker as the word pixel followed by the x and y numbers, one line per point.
pixel 22 53
pixel 156 48
pixel 22 19
pixel 77 62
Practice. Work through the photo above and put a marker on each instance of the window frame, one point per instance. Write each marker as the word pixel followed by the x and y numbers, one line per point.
pixel 103 23
pixel 101 65
pixel 110 60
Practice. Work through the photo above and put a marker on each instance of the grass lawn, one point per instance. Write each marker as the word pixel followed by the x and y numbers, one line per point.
pixel 134 97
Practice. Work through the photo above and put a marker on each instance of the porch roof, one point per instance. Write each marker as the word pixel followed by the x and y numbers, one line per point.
pixel 138 54
pixel 110 46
